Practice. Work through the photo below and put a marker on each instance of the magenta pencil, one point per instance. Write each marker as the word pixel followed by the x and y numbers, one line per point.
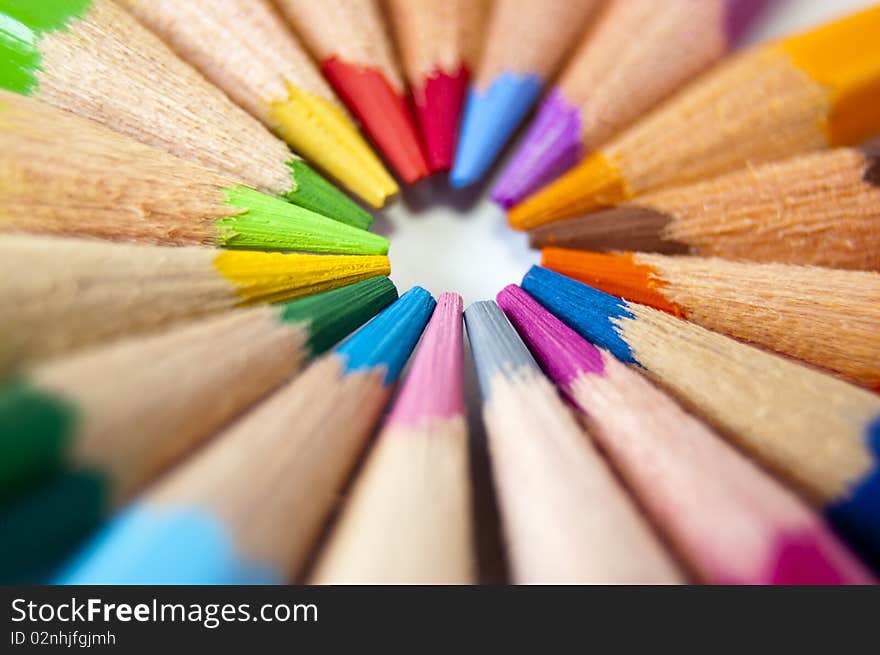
pixel 730 521
pixel 639 52
pixel 408 518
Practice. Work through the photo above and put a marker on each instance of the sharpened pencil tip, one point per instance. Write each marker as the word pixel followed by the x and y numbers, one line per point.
pixel 438 106
pixel 588 311
pixel 389 338
pixel 496 347
pixel 551 146
pixel 383 114
pixel 490 118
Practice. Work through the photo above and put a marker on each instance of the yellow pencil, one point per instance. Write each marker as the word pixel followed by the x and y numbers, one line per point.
pixel 245 48
pixel 71 293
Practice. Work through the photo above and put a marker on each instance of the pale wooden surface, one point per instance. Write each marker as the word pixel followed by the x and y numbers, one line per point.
pixel 112 70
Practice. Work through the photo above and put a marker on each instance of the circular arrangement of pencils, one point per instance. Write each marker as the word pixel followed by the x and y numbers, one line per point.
pixel 207 376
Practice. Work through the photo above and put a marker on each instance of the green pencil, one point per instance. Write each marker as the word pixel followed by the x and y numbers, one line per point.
pixel 66 175
pixel 86 57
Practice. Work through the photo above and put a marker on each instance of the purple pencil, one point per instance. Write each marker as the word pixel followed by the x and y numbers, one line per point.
pixel 408 519
pixel 640 51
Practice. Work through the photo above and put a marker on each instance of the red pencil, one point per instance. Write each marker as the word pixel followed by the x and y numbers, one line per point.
pixel 439 42
pixel 349 40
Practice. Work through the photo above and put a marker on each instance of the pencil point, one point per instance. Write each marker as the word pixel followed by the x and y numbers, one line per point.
pixel 593 314
pixel 497 348
pixel 388 339
pixel 433 387
pixel 322 133
pixel 618 274
pixel 383 113
pixel 550 147
pixel 594 183
pixel 313 192
pixel 562 353
pixel 267 223
pixel 490 117
pixel 628 227
pixel 334 314
pixel 438 106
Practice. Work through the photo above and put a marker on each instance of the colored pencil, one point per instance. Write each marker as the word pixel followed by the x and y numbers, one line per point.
pixel 249 507
pixel 93 59
pixel 730 521
pixel 71 293
pixel 810 91
pixel 350 42
pixel 566 519
pixel 81 435
pixel 638 53
pixel 526 41
pixel 823 316
pixel 245 48
pixel 407 519
pixel 66 175
pixel 818 432
pixel 439 44
pixel 821 209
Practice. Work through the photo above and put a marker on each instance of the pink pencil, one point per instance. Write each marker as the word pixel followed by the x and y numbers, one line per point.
pixel 408 519
pixel 728 519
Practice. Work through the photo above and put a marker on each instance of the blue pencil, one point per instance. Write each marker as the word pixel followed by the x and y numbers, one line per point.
pixel 525 44
pixel 818 432
pixel 248 508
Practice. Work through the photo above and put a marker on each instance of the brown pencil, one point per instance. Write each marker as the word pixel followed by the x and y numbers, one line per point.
pixel 821 209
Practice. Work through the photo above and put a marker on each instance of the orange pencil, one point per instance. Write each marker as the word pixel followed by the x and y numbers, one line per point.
pixel 813 90
pixel 823 316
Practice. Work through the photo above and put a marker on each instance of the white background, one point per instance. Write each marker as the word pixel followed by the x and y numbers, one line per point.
pixel 457 240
